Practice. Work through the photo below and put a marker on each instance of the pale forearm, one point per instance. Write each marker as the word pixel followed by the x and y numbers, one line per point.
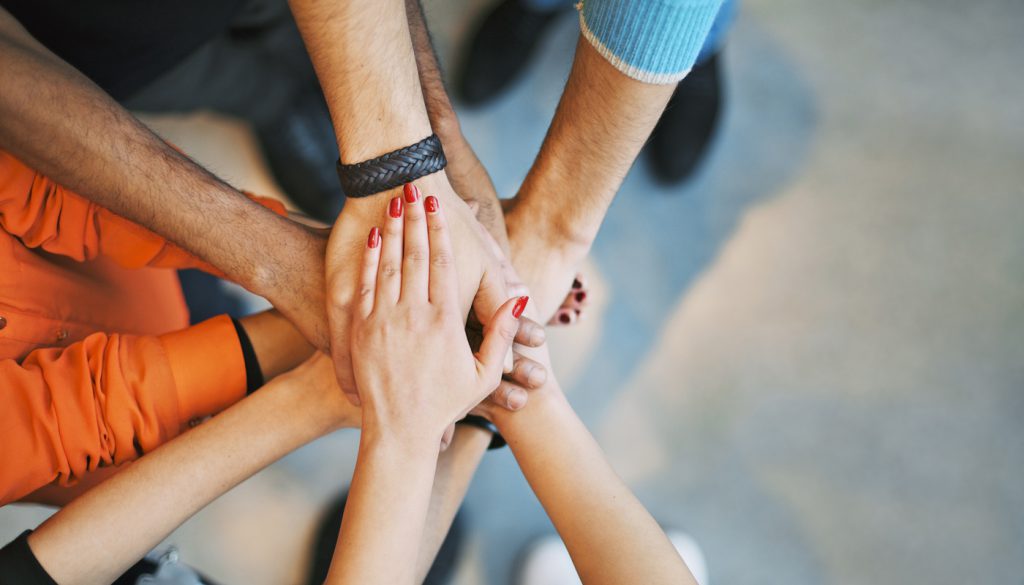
pixel 455 469
pixel 610 536
pixel 385 513
pixel 60 123
pixel 602 122
pixel 98 536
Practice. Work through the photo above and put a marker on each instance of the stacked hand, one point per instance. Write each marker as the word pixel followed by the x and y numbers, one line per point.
pixel 412 362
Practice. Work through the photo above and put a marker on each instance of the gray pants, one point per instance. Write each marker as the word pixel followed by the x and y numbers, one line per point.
pixel 252 70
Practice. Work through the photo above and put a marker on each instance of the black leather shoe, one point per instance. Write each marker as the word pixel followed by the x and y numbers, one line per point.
pixel 301 151
pixel 686 128
pixel 500 49
pixel 327 538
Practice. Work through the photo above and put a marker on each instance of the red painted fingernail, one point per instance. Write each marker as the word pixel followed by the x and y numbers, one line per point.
pixel 581 296
pixel 412 193
pixel 576 283
pixel 374 238
pixel 520 306
pixel 564 318
pixel 395 209
pixel 430 204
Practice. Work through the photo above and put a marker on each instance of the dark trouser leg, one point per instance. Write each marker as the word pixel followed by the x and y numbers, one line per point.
pixel 258 70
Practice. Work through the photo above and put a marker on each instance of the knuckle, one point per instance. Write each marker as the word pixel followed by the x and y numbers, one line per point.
pixel 417 255
pixel 389 268
pixel 441 259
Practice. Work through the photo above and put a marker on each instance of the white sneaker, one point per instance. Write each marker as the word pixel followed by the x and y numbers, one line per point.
pixel 547 561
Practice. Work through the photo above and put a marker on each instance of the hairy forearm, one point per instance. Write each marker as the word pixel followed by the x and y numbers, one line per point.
pixel 60 123
pixel 385 512
pixel 602 122
pixel 96 537
pixel 610 536
pixel 455 470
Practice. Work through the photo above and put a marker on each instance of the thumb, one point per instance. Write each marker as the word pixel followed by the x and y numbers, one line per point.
pixel 498 336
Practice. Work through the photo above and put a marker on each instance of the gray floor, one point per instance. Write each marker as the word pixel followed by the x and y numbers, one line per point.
pixel 812 357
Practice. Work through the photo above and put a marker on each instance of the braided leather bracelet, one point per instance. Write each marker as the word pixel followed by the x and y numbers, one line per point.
pixel 393 169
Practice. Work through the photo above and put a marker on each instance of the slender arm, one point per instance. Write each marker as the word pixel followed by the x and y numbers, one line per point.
pixel 610 536
pixel 98 536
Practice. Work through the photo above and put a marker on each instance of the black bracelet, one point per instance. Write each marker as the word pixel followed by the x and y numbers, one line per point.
pixel 497 441
pixel 394 169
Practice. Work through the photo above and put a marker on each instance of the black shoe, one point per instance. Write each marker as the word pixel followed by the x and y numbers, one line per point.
pixel 500 49
pixel 301 151
pixel 327 538
pixel 685 130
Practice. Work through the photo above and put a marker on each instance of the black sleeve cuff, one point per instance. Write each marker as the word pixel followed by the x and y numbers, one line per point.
pixel 497 441
pixel 253 372
pixel 19 566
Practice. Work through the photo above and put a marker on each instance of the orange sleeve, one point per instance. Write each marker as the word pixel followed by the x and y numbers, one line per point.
pixel 109 399
pixel 43 214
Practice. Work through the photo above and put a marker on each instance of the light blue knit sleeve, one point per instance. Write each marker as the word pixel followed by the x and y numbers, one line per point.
pixel 654 41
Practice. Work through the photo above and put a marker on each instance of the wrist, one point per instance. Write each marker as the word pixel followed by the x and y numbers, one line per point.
pixel 545 403
pixel 549 227
pixel 406 443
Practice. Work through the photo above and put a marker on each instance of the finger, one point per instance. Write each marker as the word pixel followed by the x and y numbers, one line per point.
pixel 368 277
pixel 498 336
pixel 528 373
pixel 577 299
pixel 415 270
pixel 446 438
pixel 579 283
pixel 389 275
pixel 563 317
pixel 443 282
pixel 531 333
pixel 509 396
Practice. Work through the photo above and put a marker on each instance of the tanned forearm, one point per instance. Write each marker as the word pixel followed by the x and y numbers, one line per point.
pixel 602 122
pixel 466 173
pixel 610 536
pixel 60 123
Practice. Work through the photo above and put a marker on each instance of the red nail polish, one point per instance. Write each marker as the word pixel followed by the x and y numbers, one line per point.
pixel 374 238
pixel 430 204
pixel 576 283
pixel 581 296
pixel 520 306
pixel 412 193
pixel 564 318
pixel 395 209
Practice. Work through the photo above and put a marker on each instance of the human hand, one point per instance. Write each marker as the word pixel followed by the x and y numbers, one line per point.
pixel 575 302
pixel 412 363
pixel 479 286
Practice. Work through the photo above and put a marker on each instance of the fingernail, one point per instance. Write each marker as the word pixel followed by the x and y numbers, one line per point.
pixel 576 283
pixel 516 400
pixel 581 296
pixel 430 204
pixel 520 306
pixel 564 318
pixel 395 209
pixel 412 193
pixel 374 238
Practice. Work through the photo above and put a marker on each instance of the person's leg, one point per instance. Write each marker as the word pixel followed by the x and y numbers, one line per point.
pixel 258 70
pixel 686 129
pixel 502 46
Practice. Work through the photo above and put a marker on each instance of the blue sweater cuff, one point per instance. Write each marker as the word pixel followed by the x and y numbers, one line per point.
pixel 654 41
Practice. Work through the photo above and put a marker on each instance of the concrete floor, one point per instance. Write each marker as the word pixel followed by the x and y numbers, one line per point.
pixel 811 357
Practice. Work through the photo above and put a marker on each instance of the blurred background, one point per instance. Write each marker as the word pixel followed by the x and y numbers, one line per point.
pixel 809 355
